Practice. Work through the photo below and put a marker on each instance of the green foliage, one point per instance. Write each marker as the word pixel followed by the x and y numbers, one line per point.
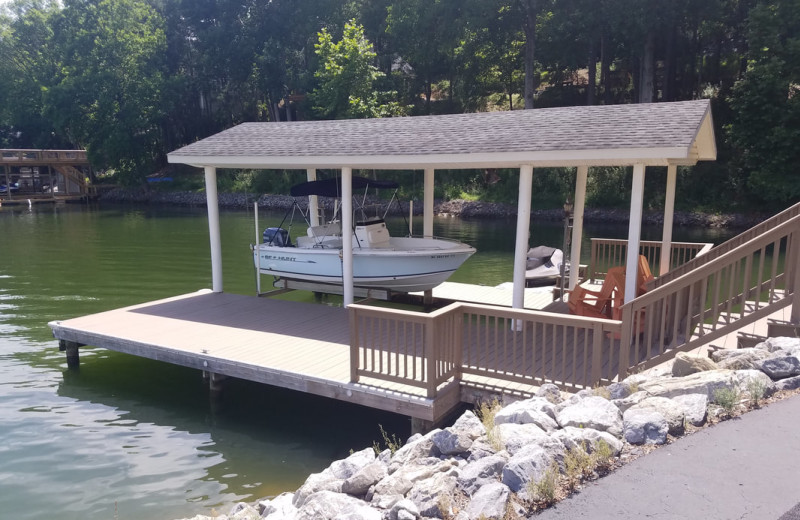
pixel 544 490
pixel 390 442
pixel 727 398
pixel 757 390
pixel 346 76
pixel 486 412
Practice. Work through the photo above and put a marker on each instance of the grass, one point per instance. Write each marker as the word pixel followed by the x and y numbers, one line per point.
pixel 727 398
pixel 486 412
pixel 544 490
pixel 389 441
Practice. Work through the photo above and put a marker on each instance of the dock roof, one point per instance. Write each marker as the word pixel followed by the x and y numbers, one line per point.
pixel 652 134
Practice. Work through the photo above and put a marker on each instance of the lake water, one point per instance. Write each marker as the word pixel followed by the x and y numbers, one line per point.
pixel 129 438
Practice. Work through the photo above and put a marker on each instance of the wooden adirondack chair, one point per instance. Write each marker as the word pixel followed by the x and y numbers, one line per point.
pixel 599 304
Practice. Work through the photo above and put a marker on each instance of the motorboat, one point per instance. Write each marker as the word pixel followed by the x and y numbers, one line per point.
pixel 380 261
pixel 544 266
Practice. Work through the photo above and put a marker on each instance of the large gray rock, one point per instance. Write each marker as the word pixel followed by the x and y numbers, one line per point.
pixel 699 383
pixel 489 502
pixel 427 494
pixel 791 383
pixel 530 463
pixel 685 365
pixel 592 412
pixel 695 407
pixel 417 447
pixel 242 511
pixel 537 410
pixel 346 468
pixel 633 399
pixel 401 481
pixel 316 482
pixel 740 359
pixel 586 439
pixel 515 436
pixel 480 472
pixel 780 366
pixel 669 409
pixel 470 425
pixel 749 380
pixel 327 505
pixel 780 343
pixel 404 510
pixel 621 390
pixel 365 478
pixel 550 392
pixel 279 508
pixel 451 441
pixel 645 426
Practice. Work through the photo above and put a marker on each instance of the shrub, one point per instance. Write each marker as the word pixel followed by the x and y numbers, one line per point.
pixel 544 490
pixel 603 456
pixel 727 398
pixel 486 412
pixel 389 441
pixel 757 390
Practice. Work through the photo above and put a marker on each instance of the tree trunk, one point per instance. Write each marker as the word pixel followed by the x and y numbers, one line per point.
pixel 647 70
pixel 668 93
pixel 592 86
pixel 530 50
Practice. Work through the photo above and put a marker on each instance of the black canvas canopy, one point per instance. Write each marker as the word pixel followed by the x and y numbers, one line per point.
pixel 333 187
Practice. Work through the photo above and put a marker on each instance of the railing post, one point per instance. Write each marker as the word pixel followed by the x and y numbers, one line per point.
pixel 458 343
pixel 597 354
pixel 791 263
pixel 593 262
pixel 430 357
pixel 352 314
pixel 625 339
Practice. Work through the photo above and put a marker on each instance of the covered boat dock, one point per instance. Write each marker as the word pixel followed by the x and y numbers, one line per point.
pixel 425 364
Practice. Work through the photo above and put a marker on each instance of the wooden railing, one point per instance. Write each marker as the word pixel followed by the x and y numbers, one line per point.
pixel 412 348
pixel 429 350
pixel 35 157
pixel 736 241
pixel 608 252
pixel 744 284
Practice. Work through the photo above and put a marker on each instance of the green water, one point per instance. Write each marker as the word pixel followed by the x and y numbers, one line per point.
pixel 129 438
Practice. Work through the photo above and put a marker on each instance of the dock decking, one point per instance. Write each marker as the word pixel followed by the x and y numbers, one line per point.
pixel 299 346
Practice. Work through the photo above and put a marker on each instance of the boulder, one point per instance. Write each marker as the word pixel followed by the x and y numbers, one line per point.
pixel 426 494
pixel 327 505
pixel 530 463
pixel 592 412
pixel 645 426
pixel 480 472
pixel 633 399
pixel 695 407
pixel 451 441
pixel 278 508
pixel 684 365
pixel 346 468
pixel 364 478
pixel 790 383
pixel 490 501
pixel 780 343
pixel 404 510
pixel 537 410
pixel 316 482
pixel 669 409
pixel 242 511
pixel 515 436
pixel 700 383
pixel 621 390
pixel 550 392
pixel 469 424
pixel 747 380
pixel 780 366
pixel 480 448
pixel 586 439
pixel 417 447
pixel 741 359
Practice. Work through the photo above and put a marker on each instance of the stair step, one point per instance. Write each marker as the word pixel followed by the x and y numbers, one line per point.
pixel 779 328
pixel 745 340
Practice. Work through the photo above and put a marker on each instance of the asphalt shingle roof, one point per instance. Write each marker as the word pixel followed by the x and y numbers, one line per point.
pixel 539 134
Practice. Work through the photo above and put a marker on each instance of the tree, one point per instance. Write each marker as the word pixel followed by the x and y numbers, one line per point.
pixel 108 90
pixel 346 76
pixel 766 103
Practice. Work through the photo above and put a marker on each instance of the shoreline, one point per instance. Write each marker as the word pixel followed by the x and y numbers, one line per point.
pixel 453 208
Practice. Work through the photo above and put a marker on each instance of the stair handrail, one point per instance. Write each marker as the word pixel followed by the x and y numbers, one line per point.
pixel 729 245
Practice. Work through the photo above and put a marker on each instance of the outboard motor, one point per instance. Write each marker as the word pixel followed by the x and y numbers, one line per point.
pixel 275 236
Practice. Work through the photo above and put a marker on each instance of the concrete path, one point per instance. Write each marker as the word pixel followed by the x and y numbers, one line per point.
pixel 746 468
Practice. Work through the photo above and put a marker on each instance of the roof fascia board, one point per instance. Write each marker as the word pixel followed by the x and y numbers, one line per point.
pixel 566 158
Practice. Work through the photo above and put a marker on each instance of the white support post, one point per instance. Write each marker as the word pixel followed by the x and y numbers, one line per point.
pixel 347 235
pixel 523 230
pixel 634 231
pixel 577 225
pixel 313 202
pixel 669 213
pixel 427 207
pixel 213 228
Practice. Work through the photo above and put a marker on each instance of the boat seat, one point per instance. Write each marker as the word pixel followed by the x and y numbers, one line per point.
pixel 324 230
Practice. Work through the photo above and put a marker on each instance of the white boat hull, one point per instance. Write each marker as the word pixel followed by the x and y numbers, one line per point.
pixel 403 264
